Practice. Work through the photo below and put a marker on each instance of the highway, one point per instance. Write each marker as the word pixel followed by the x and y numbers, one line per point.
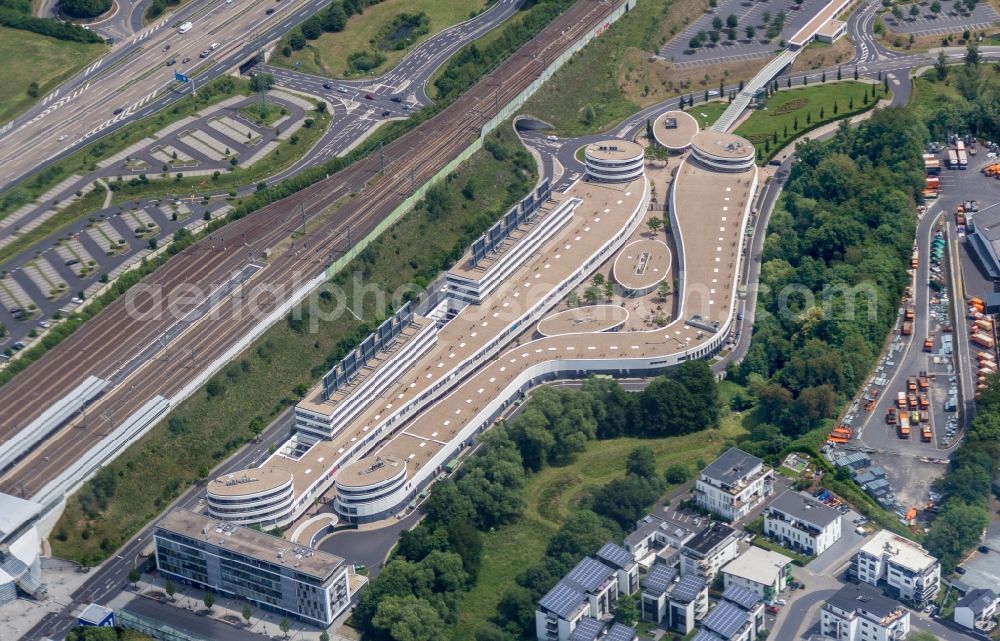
pixel 135 79
pixel 110 344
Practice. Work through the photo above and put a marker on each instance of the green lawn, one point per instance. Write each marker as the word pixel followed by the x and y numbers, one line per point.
pixel 552 494
pixel 156 469
pixel 792 112
pixel 930 93
pixel 328 54
pixel 44 60
pixel 264 117
pixel 707 113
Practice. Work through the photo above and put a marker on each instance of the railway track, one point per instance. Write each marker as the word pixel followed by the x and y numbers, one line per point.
pixel 114 336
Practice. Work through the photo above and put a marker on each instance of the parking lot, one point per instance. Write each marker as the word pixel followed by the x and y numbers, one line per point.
pixel 953 17
pixel 44 283
pixel 757 14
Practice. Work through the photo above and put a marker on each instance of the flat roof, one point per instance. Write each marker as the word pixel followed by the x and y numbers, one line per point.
pixel 249 481
pixel 592 318
pixel 862 596
pixel 722 144
pixel 15 512
pixel 709 538
pixel 370 470
pixel 733 466
pixel 757 565
pixel 614 149
pixel 900 550
pixel 642 264
pixel 680 134
pixel 831 28
pixel 809 29
pixel 804 508
pixel 250 543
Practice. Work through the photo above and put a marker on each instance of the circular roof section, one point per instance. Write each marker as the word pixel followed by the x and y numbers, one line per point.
pixel 642 264
pixel 723 145
pixel 675 129
pixel 370 470
pixel 589 319
pixel 614 150
pixel 248 482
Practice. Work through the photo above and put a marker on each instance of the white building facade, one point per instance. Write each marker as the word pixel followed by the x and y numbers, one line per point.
pixel 734 484
pixel 861 613
pixel 901 567
pixel 802 524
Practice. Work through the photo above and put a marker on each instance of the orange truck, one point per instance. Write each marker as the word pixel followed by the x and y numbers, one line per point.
pixel 924 402
pixel 907 328
pixel 983 340
pixel 924 381
pixel 908 314
pixel 925 433
pixel 915 260
pixel 904 425
pixel 929 344
pixel 911 384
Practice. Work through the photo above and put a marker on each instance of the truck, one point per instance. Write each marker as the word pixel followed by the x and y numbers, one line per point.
pixel 908 314
pixel 923 381
pixel 952 159
pixel 915 259
pixel 890 416
pixel 903 429
pixel 907 328
pixel 925 433
pixel 929 344
pixel 933 182
pixel 901 400
pixel 912 401
pixel 985 324
pixel 985 356
pixel 925 402
pixel 963 159
pixel 983 340
pixel 184 28
pixel 911 384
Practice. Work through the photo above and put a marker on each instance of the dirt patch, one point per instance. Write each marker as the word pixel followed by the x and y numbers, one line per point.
pixel 646 80
pixel 819 55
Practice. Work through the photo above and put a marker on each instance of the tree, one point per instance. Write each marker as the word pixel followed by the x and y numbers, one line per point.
pixel 676 474
pixel 284 626
pixel 84 8
pixel 654 224
pixel 836 109
pixel 324 636
pixel 914 11
pixel 262 82
pixel 641 462
pixel 663 290
pixel 694 43
pixel 409 618
pixel 170 589
pixel 208 600
pixel 625 610
pixel 589 115
pixel 750 31
pixel 732 21
pixel 823 77
pixel 134 575
pixel 971 53
pixel 713 36
pixel 855 72
pixel 247 612
pixel 936 7
pixel 717 23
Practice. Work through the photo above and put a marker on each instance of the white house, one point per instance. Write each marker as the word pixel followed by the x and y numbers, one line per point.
pixel 589 589
pixel 734 484
pixel 903 568
pixel 675 603
pixel 859 612
pixel 706 552
pixel 739 616
pixel 763 572
pixel 976 609
pixel 801 523
pixel 625 567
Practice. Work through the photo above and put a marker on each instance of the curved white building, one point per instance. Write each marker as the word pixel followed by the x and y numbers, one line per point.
pixel 263 496
pixel 614 160
pixel 20 544
pixel 721 151
pixel 674 130
pixel 371 486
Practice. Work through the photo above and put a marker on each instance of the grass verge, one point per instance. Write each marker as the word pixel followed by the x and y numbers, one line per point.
pixel 283 363
pixel 707 112
pixel 328 54
pixel 550 497
pixel 48 62
pixel 266 117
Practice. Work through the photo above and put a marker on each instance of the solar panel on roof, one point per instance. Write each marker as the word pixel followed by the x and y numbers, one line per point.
pixel 741 596
pixel 725 619
pixel 561 600
pixel 588 629
pixel 705 635
pixel 659 578
pixel 620 632
pixel 687 588
pixel 588 574
pixel 616 555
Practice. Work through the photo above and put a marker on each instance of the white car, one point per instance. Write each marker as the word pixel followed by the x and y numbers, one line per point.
pixel 62 137
pixel 552 138
pixel 781 602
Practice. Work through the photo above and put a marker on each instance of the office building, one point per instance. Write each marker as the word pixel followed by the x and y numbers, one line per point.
pixel 273 573
pixel 675 603
pixel 901 567
pixel 706 552
pixel 733 484
pixel 860 613
pixel 763 572
pixel 801 523
pixel 976 610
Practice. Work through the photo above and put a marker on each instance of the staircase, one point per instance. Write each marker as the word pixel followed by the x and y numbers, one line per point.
pixel 26 582
pixel 758 82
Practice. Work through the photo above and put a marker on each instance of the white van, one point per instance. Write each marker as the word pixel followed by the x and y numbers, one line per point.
pixel 214 46
pixel 184 28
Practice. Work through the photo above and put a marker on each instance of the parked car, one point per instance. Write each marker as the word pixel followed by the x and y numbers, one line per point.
pixel 781 602
pixel 327 85
pixel 396 99
pixel 368 96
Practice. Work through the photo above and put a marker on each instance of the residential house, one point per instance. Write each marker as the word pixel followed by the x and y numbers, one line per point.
pixel 763 572
pixel 734 484
pixel 901 567
pixel 976 609
pixel 801 523
pixel 618 558
pixel 739 616
pixel 706 552
pixel 589 589
pixel 677 604
pixel 859 612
